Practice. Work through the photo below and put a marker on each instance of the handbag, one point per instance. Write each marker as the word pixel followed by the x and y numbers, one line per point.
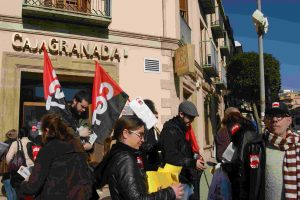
pixel 18 159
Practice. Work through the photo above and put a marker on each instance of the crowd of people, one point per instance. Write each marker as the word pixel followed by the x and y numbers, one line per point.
pixel 63 164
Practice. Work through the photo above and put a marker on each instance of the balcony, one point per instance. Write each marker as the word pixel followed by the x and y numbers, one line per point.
pixel 217 28
pixel 221 81
pixel 185 30
pixel 91 12
pixel 208 6
pixel 210 64
pixel 225 48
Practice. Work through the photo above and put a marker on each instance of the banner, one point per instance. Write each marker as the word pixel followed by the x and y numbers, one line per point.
pixel 53 94
pixel 108 101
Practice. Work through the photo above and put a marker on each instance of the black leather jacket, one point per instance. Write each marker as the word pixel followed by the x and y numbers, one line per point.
pixel 126 180
pixel 176 150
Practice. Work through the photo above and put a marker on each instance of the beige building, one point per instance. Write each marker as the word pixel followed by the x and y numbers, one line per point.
pixel 292 99
pixel 166 51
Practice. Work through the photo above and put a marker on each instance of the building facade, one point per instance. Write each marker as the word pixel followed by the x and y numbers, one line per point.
pixel 292 99
pixel 167 51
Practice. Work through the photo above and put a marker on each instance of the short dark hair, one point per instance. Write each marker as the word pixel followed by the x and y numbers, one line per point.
pixel 58 129
pixel 81 95
pixel 151 105
pixel 129 122
pixel 23 132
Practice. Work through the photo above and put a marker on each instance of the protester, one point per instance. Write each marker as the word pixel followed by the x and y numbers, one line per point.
pixel 61 170
pixel 25 145
pixel 122 168
pixel 282 153
pixel 243 160
pixel 176 150
pixel 222 138
pixel 11 136
pixel 150 148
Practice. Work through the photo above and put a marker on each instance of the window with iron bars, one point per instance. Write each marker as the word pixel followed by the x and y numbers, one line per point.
pixel 71 5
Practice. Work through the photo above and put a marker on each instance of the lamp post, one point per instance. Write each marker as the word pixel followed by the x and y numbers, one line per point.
pixel 261 24
pixel 261 74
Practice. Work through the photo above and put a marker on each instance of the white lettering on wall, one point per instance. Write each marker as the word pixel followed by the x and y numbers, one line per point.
pixel 68 48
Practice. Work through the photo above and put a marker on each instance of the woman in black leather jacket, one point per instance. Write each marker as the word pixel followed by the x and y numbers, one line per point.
pixel 122 167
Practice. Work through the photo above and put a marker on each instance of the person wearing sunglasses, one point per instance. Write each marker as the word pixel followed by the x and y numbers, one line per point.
pixel 282 155
pixel 122 168
pixel 176 150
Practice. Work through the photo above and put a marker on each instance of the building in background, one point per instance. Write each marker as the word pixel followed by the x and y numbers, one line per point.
pixel 167 51
pixel 292 99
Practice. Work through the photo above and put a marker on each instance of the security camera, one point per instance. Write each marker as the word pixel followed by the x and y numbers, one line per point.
pixel 258 18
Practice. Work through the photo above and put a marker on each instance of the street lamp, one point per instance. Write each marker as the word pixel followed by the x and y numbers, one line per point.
pixel 261 24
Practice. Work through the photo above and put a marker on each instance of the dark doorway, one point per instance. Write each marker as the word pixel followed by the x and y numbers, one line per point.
pixel 32 102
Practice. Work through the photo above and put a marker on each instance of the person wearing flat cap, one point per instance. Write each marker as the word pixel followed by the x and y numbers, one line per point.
pixel 176 150
pixel 282 155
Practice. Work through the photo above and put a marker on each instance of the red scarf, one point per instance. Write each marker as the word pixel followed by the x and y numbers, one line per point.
pixel 190 137
pixel 291 163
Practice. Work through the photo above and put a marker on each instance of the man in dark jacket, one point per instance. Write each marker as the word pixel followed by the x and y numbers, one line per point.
pixel 243 160
pixel 176 150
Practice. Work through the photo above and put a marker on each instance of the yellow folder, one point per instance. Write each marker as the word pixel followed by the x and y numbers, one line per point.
pixel 163 177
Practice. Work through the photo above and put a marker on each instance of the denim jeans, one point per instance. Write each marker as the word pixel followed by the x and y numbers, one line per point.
pixel 10 191
pixel 188 191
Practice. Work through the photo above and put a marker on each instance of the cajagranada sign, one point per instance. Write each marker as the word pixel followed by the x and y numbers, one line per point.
pixel 69 48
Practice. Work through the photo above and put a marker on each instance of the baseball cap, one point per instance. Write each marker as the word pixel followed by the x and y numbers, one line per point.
pixel 278 108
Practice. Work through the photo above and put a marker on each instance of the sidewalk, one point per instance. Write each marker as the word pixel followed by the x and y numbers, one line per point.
pixel 203 184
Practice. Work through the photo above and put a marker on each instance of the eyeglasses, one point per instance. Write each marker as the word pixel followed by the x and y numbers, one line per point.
pixel 279 117
pixel 140 135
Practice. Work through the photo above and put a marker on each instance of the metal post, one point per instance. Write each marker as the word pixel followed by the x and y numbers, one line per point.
pixel 261 72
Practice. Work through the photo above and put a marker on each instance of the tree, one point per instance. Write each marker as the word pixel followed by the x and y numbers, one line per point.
pixel 243 77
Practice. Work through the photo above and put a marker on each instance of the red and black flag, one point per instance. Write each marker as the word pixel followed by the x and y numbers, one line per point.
pixel 107 104
pixel 54 96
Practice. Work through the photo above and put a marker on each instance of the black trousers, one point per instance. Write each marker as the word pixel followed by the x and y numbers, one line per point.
pixel 196 185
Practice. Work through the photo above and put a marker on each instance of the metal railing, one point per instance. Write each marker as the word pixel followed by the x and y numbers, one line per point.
pixel 93 7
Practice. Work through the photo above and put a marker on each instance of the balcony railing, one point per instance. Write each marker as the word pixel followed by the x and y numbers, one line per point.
pixel 82 11
pixel 208 6
pixel 217 28
pixel 185 31
pixel 225 48
pixel 222 80
pixel 210 65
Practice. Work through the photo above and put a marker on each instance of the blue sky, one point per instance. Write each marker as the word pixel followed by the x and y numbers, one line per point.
pixel 282 39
